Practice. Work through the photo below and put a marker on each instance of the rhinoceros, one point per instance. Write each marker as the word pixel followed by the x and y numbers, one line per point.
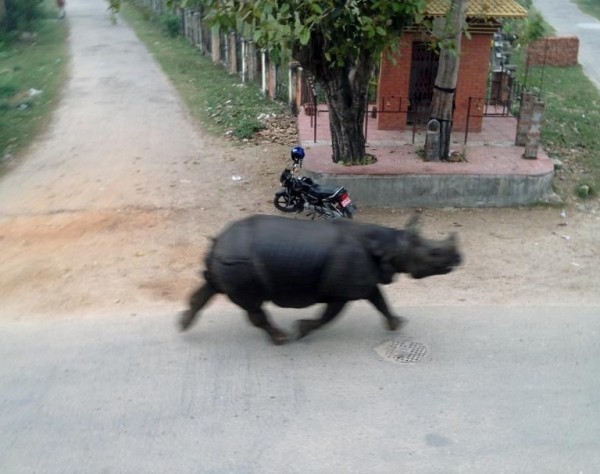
pixel 297 263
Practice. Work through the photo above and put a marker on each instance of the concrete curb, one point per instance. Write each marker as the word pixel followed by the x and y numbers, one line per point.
pixel 493 176
pixel 427 190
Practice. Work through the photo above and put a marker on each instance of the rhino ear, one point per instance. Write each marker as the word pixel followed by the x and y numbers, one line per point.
pixel 412 227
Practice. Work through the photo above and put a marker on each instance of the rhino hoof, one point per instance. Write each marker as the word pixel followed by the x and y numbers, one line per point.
pixel 304 327
pixel 279 337
pixel 186 319
pixel 394 323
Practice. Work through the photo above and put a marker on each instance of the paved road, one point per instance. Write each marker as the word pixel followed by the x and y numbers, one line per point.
pixel 568 20
pixel 510 390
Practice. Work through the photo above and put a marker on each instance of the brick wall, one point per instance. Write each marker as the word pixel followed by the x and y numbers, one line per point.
pixel 557 51
pixel 472 80
pixel 394 80
pixel 392 87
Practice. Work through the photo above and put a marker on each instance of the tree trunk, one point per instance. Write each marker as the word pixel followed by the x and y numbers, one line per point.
pixel 346 119
pixel 442 106
pixel 345 89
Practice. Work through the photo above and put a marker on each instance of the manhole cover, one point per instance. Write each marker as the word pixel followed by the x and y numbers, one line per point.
pixel 402 351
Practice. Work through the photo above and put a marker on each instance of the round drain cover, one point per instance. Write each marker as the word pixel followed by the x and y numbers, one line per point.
pixel 402 351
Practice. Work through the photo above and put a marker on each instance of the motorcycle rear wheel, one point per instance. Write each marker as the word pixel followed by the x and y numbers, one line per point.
pixel 348 212
pixel 284 202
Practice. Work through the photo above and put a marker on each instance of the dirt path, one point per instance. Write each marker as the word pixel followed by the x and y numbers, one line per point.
pixel 112 208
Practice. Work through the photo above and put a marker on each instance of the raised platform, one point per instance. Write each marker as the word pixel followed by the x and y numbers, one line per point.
pixel 495 174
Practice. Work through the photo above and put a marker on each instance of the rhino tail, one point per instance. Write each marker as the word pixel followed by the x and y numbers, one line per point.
pixel 197 301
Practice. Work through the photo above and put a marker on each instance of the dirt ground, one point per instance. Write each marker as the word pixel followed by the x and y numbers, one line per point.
pixel 113 207
pixel 130 258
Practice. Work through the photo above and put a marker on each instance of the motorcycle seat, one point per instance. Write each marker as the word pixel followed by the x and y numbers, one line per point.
pixel 324 192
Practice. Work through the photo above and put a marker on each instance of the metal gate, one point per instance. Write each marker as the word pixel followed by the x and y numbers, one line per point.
pixel 423 69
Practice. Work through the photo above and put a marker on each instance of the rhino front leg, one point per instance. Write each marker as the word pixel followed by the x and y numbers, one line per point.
pixel 259 318
pixel 377 300
pixel 305 326
pixel 197 301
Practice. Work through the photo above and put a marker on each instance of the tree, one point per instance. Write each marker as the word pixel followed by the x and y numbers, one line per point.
pixel 442 103
pixel 338 42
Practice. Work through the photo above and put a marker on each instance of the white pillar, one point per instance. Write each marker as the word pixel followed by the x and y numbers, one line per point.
pixel 263 63
pixel 244 65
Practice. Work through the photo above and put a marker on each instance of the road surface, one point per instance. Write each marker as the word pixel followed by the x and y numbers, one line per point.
pixel 495 389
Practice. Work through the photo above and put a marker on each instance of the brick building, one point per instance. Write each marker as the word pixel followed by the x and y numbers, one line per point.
pixel 405 85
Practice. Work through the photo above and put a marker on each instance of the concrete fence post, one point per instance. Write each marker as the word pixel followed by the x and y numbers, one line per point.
pixel 244 72
pixel 532 142
pixel 264 72
pixel 272 80
pixel 293 86
pixel 197 30
pixel 432 141
pixel 215 48
pixel 524 121
pixel 251 60
pixel 232 48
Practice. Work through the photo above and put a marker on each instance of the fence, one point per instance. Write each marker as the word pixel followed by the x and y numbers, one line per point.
pixel 235 52
pixel 478 107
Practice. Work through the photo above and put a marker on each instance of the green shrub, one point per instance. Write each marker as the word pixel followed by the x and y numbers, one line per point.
pixel 170 24
pixel 535 27
pixel 246 128
pixel 22 15
pixel 585 190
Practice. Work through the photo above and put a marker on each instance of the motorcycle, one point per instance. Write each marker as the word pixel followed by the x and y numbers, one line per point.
pixel 300 193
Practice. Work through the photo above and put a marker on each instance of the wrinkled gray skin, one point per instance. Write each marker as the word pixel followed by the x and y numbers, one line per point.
pixel 298 263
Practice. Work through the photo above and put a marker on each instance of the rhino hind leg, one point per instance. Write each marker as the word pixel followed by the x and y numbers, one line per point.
pixel 197 301
pixel 306 326
pixel 376 299
pixel 259 318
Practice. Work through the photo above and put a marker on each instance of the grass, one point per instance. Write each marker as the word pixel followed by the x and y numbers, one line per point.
pixel 217 99
pixel 25 68
pixel 571 117
pixel 591 7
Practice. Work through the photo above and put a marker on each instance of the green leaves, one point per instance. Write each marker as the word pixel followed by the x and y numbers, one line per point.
pixel 304 36
pixel 341 28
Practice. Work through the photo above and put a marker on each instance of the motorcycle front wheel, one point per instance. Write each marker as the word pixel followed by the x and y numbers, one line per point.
pixel 284 202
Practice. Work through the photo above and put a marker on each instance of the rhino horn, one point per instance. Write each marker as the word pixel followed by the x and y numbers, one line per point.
pixel 413 223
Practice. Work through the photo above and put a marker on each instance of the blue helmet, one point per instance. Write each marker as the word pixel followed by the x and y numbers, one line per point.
pixel 297 154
